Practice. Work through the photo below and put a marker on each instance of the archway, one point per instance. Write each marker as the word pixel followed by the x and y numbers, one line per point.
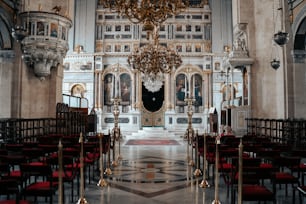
pixel 152 111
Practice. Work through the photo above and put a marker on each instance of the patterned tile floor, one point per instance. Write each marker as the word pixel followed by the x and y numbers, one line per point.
pixel 157 174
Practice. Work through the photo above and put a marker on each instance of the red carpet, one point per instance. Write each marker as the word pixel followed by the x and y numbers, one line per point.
pixel 151 142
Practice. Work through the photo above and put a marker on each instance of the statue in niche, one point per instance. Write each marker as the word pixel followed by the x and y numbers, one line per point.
pixel 240 39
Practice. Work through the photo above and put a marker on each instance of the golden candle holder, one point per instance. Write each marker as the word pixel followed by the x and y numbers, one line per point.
pixel 108 170
pixel 216 201
pixel 60 172
pixel 240 178
pixel 197 171
pixel 82 199
pixel 204 183
pixel 102 182
pixel 190 131
pixel 119 158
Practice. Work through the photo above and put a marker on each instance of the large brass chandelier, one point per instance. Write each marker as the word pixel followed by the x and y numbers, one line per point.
pixel 154 60
pixel 150 13
pixel 145 11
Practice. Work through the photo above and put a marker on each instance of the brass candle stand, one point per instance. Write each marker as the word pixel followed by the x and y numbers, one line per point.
pixel 190 131
pixel 197 172
pixel 240 178
pixel 60 172
pixel 119 158
pixel 204 183
pixel 102 182
pixel 82 199
pixel 115 131
pixel 217 201
pixel 108 170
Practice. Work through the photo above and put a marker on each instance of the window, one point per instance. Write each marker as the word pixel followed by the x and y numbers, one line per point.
pixel 198 48
pixel 127 28
pixel 179 48
pixel 108 28
pixel 108 48
pixel 179 28
pixel 117 48
pixel 109 37
pixel 188 27
pixel 188 48
pixel 127 48
pixel 118 28
pixel 198 28
pixel 162 28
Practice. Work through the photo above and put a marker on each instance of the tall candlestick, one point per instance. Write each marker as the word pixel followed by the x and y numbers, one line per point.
pixel 204 183
pixel 82 199
pixel 102 182
pixel 108 170
pixel 60 172
pixel 216 201
pixel 197 172
pixel 240 179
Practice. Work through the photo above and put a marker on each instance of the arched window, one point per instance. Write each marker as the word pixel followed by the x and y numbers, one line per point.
pixel 78 91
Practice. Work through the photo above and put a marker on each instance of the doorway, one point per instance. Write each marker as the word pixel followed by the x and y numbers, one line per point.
pixel 152 110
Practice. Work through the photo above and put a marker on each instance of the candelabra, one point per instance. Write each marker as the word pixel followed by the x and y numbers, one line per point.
pixel 190 132
pixel 82 199
pixel 115 131
pixel 148 12
pixel 154 60
pixel 102 182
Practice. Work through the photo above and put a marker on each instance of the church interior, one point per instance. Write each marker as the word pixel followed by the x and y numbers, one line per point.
pixel 156 101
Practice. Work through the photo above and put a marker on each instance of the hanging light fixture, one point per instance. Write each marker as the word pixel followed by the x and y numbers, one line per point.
pixel 154 60
pixel 280 37
pixel 147 12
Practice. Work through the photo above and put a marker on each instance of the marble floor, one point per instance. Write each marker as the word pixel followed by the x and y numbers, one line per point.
pixel 157 174
pixel 155 171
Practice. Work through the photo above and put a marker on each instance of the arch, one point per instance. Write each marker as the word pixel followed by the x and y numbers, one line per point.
pixel 227 93
pixel 5 33
pixel 299 29
pixel 188 80
pixel 78 90
pixel 124 78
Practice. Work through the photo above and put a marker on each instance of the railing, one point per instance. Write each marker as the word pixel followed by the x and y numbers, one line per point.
pixel 25 130
pixel 68 121
pixel 288 131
